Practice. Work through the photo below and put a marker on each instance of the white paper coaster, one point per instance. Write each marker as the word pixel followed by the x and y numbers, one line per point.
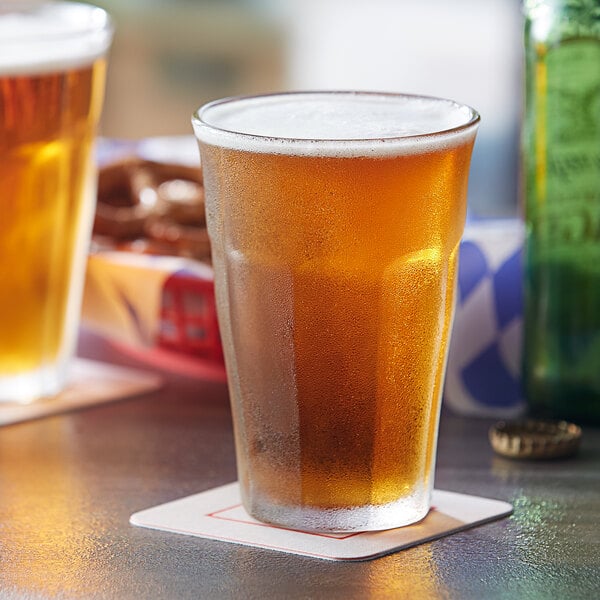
pixel 218 514
pixel 89 383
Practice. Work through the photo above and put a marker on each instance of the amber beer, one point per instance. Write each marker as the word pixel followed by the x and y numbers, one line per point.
pixel 335 222
pixel 52 72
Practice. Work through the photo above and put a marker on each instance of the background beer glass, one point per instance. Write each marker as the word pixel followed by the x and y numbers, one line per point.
pixel 335 220
pixel 52 72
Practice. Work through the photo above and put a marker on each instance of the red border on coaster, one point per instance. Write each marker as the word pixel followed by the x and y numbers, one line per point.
pixel 217 514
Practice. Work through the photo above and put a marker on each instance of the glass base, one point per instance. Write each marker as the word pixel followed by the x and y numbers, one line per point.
pixel 32 386
pixel 403 512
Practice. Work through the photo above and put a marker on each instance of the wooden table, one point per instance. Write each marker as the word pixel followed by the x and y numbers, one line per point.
pixel 69 483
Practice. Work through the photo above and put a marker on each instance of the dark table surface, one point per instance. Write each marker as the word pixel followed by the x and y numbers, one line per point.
pixel 69 483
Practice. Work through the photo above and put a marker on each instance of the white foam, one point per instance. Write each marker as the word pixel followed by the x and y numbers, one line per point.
pixel 51 37
pixel 335 124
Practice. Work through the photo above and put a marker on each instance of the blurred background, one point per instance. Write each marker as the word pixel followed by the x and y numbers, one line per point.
pixel 171 56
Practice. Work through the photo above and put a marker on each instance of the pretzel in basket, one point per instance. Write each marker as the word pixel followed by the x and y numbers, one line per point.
pixel 151 207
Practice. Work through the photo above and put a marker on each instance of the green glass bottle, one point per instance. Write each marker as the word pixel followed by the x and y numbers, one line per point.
pixel 561 172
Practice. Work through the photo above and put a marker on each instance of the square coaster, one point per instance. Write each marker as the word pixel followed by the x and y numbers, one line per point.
pixel 89 383
pixel 219 515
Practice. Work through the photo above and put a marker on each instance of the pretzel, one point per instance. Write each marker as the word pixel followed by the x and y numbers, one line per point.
pixel 151 207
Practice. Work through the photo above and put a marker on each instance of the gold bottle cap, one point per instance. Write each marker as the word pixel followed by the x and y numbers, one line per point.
pixel 532 439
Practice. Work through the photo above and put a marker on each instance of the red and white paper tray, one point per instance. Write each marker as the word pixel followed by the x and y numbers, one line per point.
pixel 218 514
pixel 160 309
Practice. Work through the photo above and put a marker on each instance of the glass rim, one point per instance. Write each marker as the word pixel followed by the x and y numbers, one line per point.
pixel 102 24
pixel 473 121
pixel 76 36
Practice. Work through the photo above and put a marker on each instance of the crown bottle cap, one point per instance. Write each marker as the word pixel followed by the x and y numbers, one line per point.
pixel 532 439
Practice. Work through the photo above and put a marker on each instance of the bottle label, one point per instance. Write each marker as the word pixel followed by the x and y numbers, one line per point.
pixel 568 213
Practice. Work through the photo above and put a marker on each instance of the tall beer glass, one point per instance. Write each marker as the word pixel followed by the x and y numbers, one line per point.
pixel 52 71
pixel 335 220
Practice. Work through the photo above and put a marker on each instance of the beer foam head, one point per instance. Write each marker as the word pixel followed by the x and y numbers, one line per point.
pixel 335 123
pixel 38 38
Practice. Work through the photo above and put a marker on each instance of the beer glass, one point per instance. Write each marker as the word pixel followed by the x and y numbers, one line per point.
pixel 52 72
pixel 335 220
